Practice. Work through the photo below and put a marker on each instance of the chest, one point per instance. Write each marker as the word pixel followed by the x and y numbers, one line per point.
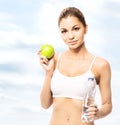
pixel 73 67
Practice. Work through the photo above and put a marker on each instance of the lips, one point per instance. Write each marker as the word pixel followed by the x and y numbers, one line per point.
pixel 72 42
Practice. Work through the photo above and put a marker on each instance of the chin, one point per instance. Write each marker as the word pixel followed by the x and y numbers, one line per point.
pixel 74 48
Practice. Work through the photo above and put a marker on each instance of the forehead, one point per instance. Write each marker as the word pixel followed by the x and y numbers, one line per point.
pixel 69 21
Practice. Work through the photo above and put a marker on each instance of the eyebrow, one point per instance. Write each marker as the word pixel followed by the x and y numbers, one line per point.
pixel 72 27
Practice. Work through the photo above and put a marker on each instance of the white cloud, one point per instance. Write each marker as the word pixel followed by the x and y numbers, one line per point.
pixel 27 63
pixel 47 22
pixel 89 5
pixel 6 16
pixel 113 1
pixel 11 33
pixel 9 38
pixel 18 79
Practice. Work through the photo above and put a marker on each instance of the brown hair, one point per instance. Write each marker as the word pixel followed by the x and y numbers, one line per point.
pixel 72 11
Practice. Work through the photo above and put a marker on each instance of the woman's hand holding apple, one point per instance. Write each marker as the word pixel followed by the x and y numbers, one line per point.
pixel 46 54
pixel 48 65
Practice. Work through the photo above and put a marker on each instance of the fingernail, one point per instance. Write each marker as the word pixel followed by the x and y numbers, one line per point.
pixel 86 110
pixel 91 105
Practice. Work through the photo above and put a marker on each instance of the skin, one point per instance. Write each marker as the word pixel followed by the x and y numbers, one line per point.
pixel 67 111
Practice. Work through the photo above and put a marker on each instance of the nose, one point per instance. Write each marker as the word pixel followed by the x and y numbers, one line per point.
pixel 71 35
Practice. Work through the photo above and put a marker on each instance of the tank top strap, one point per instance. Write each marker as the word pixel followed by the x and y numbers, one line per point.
pixel 92 62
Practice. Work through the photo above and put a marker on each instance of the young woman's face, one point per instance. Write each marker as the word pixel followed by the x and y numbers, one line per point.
pixel 72 31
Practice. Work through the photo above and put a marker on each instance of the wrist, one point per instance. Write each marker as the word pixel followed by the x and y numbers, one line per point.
pixel 49 73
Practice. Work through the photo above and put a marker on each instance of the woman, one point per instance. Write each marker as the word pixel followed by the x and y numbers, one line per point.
pixel 73 75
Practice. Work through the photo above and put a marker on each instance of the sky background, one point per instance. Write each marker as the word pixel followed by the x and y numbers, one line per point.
pixel 24 26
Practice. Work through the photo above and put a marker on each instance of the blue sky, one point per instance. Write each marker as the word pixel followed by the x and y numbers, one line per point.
pixel 24 26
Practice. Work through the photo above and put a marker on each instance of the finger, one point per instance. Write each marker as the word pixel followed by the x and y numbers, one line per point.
pixel 93 107
pixel 43 58
pixel 92 110
pixel 92 118
pixel 90 113
pixel 38 53
pixel 43 61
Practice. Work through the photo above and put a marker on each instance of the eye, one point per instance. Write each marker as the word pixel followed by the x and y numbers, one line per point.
pixel 76 28
pixel 63 31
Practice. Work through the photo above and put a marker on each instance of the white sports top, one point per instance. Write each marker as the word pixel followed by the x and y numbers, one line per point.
pixel 76 87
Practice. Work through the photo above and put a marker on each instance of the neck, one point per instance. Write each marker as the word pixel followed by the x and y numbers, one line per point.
pixel 80 51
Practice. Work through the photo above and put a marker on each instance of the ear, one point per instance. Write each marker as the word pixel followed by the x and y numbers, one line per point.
pixel 86 29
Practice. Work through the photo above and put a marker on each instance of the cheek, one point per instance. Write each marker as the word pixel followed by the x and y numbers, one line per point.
pixel 80 34
pixel 63 37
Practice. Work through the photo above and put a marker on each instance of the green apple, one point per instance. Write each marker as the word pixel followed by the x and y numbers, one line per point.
pixel 47 50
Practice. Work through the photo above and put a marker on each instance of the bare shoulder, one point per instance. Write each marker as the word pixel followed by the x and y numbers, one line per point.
pixel 56 57
pixel 102 64
pixel 102 70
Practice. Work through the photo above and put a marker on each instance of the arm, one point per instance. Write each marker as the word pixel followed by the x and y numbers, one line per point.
pixel 103 75
pixel 105 89
pixel 46 95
